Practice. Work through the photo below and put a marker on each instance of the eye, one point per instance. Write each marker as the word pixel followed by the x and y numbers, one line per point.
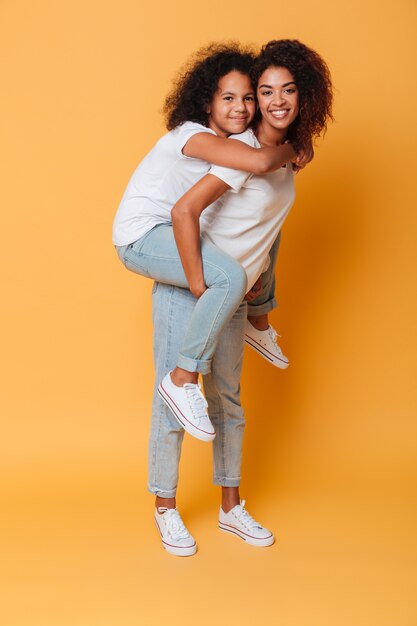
pixel 250 98
pixel 290 90
pixel 266 93
pixel 228 98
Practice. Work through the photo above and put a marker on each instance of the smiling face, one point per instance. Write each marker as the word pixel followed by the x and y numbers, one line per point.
pixel 277 100
pixel 232 107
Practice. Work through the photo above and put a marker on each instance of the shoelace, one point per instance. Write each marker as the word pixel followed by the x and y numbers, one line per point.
pixel 244 517
pixel 197 401
pixel 274 336
pixel 175 525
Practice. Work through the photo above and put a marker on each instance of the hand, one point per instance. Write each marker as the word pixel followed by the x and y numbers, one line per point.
pixel 304 156
pixel 198 290
pixel 254 292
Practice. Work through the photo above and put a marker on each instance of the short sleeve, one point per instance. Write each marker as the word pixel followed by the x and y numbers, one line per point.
pixel 184 132
pixel 235 178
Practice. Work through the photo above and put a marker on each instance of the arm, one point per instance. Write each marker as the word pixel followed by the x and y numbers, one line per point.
pixel 185 222
pixel 238 155
pixel 304 156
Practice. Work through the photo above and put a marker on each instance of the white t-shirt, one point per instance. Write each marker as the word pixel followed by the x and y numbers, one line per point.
pixel 246 220
pixel 161 179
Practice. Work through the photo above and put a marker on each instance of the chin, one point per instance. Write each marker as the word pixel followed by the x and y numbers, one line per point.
pixel 281 125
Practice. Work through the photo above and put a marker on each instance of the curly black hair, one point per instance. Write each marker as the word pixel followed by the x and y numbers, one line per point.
pixel 312 77
pixel 197 82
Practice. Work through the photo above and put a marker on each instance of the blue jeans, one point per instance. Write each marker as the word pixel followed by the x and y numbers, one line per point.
pixel 265 300
pixel 156 256
pixel 172 310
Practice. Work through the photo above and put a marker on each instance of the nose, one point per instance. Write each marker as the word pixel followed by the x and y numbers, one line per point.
pixel 278 98
pixel 240 106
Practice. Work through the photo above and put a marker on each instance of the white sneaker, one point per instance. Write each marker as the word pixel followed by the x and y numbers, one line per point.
pixel 238 522
pixel 265 344
pixel 174 535
pixel 189 407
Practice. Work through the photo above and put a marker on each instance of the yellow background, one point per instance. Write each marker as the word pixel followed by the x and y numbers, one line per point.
pixel 330 447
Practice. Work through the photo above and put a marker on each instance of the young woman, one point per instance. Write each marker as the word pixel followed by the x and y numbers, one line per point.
pixel 155 237
pixel 295 97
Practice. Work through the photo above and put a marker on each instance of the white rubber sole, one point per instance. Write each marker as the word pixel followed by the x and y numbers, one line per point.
pixel 187 425
pixel 253 541
pixel 271 358
pixel 176 550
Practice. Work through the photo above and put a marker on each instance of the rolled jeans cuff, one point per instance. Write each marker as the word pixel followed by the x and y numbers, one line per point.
pixel 171 493
pixel 261 309
pixel 226 482
pixel 194 365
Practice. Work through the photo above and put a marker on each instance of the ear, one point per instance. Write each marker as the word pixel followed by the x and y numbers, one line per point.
pixel 207 109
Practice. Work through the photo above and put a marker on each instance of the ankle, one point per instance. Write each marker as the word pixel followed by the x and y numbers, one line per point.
pixel 230 498
pixel 181 377
pixel 260 322
pixel 167 503
pixel 228 507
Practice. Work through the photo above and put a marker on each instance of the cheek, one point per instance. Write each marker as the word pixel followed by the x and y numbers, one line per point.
pixel 217 112
pixel 252 108
pixel 216 107
pixel 297 106
pixel 262 105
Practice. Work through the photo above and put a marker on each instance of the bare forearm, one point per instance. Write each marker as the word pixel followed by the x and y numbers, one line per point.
pixel 238 155
pixel 186 229
pixel 185 217
pixel 276 157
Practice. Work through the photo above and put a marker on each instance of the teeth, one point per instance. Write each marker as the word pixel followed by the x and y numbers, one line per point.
pixel 280 113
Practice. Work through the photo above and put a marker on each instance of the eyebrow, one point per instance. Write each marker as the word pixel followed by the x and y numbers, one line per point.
pixel 292 82
pixel 232 93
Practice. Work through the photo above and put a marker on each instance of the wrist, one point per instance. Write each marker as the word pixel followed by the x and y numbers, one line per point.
pixel 290 149
pixel 197 288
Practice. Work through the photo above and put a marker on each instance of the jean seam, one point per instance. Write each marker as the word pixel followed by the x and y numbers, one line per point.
pixel 213 326
pixel 221 424
pixel 162 405
pixel 138 252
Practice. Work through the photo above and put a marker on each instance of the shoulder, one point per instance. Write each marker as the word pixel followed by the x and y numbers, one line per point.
pixel 182 133
pixel 247 137
pixel 189 128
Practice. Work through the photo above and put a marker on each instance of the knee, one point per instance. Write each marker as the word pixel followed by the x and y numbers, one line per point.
pixel 231 277
pixel 240 279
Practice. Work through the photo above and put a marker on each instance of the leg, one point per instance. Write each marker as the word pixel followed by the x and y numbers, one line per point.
pixel 259 334
pixel 155 255
pixel 170 316
pixel 259 308
pixel 172 308
pixel 222 388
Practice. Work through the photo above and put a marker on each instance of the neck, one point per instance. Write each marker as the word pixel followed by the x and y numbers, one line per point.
pixel 219 132
pixel 268 135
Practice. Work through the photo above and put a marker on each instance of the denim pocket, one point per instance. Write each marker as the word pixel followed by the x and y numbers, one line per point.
pixel 121 251
pixel 135 261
